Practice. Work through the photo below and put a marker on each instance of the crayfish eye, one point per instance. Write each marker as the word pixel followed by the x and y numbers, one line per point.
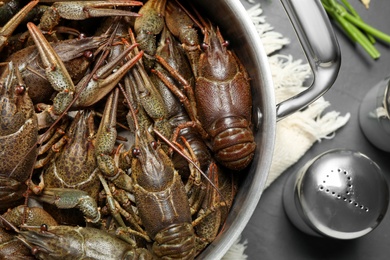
pixel 34 250
pixel 20 89
pixel 154 145
pixel 44 228
pixel 204 46
pixel 135 152
pixel 225 43
pixel 88 55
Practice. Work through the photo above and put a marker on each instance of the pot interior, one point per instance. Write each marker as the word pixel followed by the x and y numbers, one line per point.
pixel 237 28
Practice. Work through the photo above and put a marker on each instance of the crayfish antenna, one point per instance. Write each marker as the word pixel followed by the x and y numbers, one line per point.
pixel 99 62
pixel 199 21
pixel 174 147
pixel 9 224
pixel 132 111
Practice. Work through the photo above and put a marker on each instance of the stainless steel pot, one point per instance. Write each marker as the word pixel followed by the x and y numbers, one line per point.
pixel 322 50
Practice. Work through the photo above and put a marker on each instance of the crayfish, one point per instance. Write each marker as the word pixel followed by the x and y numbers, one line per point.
pixel 155 183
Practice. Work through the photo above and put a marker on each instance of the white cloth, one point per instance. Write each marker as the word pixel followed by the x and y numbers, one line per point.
pixel 304 127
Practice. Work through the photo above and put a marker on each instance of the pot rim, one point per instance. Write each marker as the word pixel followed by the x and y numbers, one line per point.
pixel 264 120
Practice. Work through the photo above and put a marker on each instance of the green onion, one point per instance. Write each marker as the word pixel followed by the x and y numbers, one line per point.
pixel 378 34
pixel 355 14
pixel 353 25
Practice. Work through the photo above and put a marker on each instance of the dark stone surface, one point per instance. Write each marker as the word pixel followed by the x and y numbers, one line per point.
pixel 269 233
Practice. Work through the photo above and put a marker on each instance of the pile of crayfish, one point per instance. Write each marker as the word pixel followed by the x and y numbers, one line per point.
pixel 122 133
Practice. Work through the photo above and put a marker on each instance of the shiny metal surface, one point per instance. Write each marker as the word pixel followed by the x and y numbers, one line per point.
pixel 386 99
pixel 374 115
pixel 339 194
pixel 321 48
pixel 236 26
pixel 269 232
pixel 238 29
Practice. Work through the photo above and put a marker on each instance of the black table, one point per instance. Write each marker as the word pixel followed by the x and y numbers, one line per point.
pixel 269 233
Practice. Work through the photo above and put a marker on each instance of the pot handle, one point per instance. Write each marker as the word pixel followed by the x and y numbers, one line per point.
pixel 322 50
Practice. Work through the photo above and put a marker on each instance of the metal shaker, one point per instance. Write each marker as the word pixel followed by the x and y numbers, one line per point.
pixel 339 194
pixel 374 115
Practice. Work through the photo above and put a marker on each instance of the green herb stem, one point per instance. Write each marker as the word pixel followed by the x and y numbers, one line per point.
pixel 353 11
pixel 337 12
pixel 353 25
pixel 366 44
pixel 369 29
pixel 356 35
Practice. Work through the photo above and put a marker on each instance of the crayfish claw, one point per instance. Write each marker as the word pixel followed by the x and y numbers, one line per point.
pixel 11 25
pixel 55 70
pixel 81 10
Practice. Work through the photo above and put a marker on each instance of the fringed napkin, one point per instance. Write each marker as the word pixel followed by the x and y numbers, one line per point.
pixel 304 127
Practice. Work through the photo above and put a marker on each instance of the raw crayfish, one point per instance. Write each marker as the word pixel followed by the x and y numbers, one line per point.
pixel 222 94
pixel 18 133
pixel 155 207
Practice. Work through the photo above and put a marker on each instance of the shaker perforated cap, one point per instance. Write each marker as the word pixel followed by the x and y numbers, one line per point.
pixel 342 194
